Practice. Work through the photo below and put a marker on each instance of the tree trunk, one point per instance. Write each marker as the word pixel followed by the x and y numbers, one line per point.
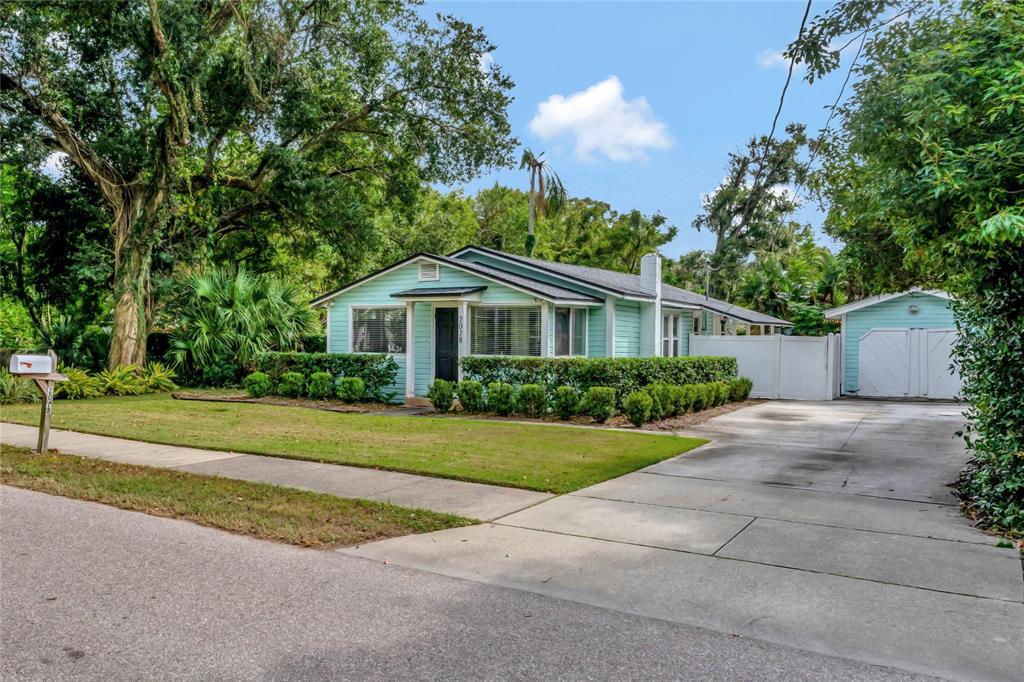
pixel 131 274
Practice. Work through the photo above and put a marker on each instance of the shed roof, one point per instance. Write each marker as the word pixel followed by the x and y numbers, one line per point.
pixel 879 298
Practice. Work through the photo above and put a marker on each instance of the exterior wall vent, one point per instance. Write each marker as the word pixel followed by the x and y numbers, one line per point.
pixel 429 272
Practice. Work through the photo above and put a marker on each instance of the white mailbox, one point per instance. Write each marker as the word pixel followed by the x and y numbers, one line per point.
pixel 31 364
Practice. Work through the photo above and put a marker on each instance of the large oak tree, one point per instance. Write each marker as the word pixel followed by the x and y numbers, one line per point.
pixel 204 120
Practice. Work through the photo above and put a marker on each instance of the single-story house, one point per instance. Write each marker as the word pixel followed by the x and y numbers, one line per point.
pixel 898 345
pixel 427 311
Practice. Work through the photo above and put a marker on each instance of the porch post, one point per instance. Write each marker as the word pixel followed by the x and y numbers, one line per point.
pixel 609 327
pixel 544 322
pixel 410 344
pixel 463 334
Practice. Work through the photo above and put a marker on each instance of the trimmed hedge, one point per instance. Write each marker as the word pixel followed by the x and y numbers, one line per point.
pixel 625 375
pixel 379 372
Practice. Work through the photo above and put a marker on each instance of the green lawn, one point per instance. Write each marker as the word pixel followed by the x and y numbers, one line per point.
pixel 264 511
pixel 558 459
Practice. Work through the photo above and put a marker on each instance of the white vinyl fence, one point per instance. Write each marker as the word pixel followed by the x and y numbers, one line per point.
pixel 790 367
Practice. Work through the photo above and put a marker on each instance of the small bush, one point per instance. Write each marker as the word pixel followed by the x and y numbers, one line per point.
pixel 566 402
pixel 739 389
pixel 664 401
pixel 441 394
pixel 379 372
pixel 501 398
pixel 351 389
pixel 471 394
pixel 80 384
pixel 533 400
pixel 122 380
pixel 320 386
pixel 158 378
pixel 688 398
pixel 637 407
pixel 722 390
pixel 678 395
pixel 291 385
pixel 599 403
pixel 701 397
pixel 258 384
pixel 14 390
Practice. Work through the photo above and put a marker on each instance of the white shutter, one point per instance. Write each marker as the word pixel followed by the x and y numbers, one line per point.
pixel 505 331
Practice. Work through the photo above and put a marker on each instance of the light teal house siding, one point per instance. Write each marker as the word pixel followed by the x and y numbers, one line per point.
pixel 620 304
pixel 933 312
pixel 627 329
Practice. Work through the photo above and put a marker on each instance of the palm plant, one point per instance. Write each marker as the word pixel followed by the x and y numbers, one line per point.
pixel 547 193
pixel 230 315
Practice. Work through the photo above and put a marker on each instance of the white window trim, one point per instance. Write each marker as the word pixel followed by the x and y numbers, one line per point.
pixel 572 323
pixel 541 305
pixel 351 329
pixel 674 335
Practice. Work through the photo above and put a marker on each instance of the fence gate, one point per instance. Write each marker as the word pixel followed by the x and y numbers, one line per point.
pixel 791 367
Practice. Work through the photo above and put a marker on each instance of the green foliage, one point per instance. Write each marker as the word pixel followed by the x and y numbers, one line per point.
pixel 566 402
pixel 665 400
pixel 638 406
pixel 16 329
pixel 258 384
pixel 471 395
pixel 378 372
pixel 158 378
pixel 689 398
pixel 320 386
pixel 599 403
pixel 925 175
pixel 80 384
pixel 14 390
pixel 122 380
pixel 703 397
pixel 229 317
pixel 625 375
pixel 291 385
pixel 739 389
pixel 533 400
pixel 721 391
pixel 501 398
pixel 441 394
pixel 351 389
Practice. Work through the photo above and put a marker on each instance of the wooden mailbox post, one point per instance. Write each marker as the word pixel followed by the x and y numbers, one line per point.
pixel 44 382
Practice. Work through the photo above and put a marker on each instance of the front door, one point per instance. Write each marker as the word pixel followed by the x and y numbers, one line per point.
pixel 446 344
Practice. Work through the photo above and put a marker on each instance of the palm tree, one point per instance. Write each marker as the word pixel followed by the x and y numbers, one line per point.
pixel 547 193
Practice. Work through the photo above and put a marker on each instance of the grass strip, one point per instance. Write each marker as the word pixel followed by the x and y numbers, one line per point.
pixel 557 459
pixel 270 512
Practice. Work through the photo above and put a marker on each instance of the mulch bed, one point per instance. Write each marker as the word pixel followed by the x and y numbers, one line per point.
pixel 327 405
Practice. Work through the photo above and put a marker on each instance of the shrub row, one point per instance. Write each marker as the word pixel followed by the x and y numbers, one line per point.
pixel 653 402
pixel 625 375
pixel 377 371
pixel 122 380
pixel 318 385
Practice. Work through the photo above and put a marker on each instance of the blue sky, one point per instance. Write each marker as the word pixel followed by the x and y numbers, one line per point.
pixel 638 104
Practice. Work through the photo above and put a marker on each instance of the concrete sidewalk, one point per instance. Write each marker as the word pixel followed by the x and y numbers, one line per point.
pixel 472 500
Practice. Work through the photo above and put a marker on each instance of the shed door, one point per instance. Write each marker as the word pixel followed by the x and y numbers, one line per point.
pixel 897 363
pixel 883 368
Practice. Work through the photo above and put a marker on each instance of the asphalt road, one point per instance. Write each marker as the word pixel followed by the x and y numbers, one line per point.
pixel 92 592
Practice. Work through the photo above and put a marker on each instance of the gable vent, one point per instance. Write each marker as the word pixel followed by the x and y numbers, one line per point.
pixel 429 272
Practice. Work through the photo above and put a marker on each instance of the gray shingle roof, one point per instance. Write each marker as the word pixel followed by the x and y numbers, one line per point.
pixel 543 288
pixel 629 285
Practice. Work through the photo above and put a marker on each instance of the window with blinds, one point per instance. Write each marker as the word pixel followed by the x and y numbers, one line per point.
pixel 378 330
pixel 505 331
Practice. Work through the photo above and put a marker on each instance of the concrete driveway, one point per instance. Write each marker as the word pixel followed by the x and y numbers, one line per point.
pixel 825 526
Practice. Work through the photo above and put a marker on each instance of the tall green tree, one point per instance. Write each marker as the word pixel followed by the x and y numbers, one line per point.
pixel 930 153
pixel 204 118
pixel 751 209
pixel 547 194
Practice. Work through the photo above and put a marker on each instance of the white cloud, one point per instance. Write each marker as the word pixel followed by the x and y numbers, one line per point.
pixel 774 59
pixel 52 165
pixel 601 120
pixel 486 61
